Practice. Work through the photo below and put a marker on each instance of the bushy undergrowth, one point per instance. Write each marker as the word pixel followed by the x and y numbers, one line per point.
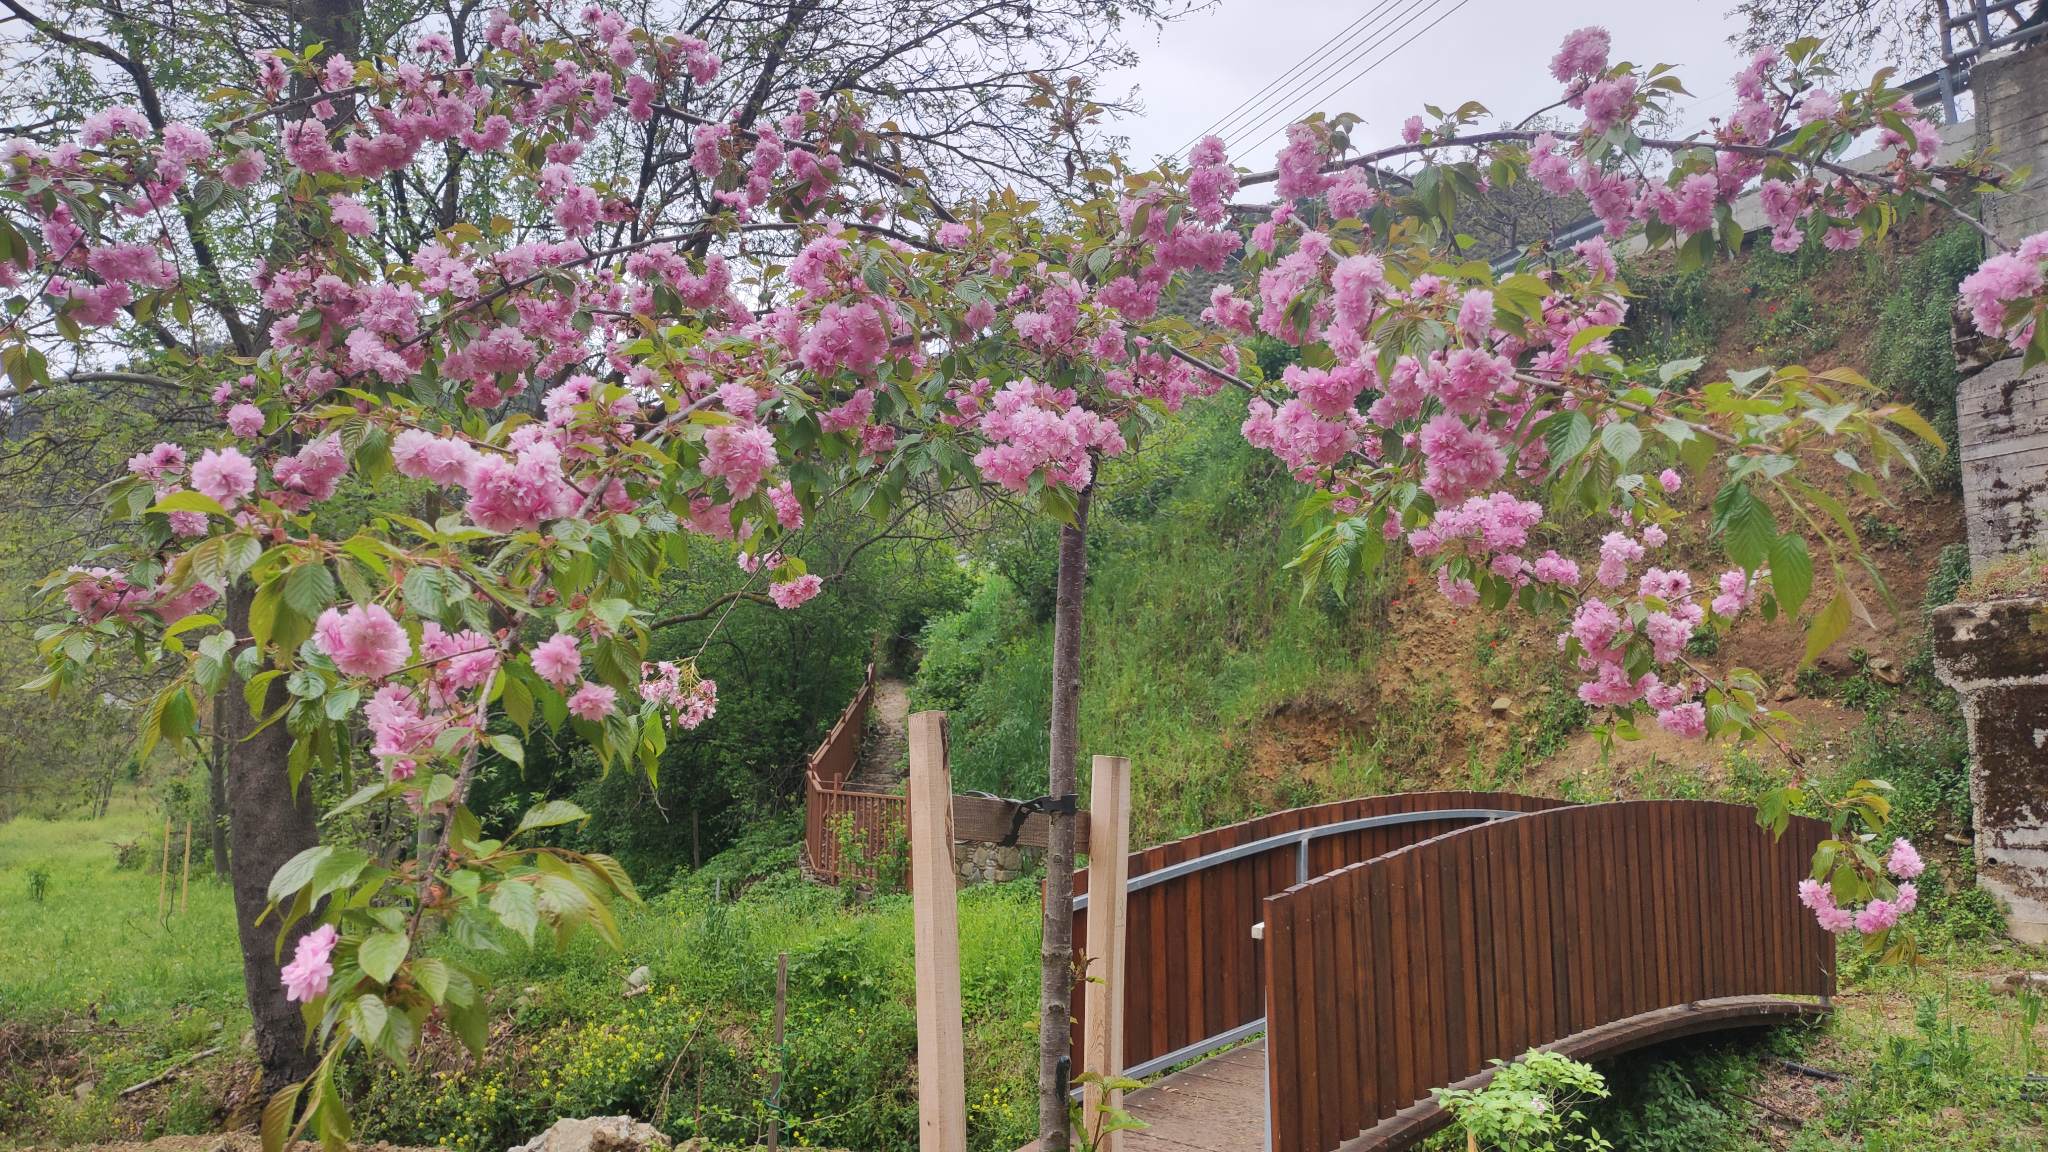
pixel 694 1054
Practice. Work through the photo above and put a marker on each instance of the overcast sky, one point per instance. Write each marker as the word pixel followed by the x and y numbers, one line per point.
pixel 1497 52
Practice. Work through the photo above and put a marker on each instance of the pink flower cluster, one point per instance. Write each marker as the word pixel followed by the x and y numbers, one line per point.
pixel 362 640
pixel 661 684
pixel 1035 430
pixel 1877 915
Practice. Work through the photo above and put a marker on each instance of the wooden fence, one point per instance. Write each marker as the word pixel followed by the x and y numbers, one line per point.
pixel 850 832
pixel 1594 928
pixel 1193 974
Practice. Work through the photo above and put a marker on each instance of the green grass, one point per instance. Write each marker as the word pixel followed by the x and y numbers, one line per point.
pixel 101 990
pixel 101 921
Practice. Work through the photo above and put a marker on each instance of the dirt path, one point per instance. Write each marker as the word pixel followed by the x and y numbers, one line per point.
pixel 886 742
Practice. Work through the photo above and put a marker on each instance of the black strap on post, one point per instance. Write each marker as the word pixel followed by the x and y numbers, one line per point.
pixel 1021 810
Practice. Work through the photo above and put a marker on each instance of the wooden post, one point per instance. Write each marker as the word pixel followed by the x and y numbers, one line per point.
pixel 775 1078
pixel 1109 847
pixel 941 1049
pixel 185 874
pixel 163 877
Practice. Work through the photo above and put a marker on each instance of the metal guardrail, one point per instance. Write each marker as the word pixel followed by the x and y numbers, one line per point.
pixel 1300 839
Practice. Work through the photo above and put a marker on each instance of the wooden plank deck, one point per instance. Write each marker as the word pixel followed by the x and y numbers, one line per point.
pixel 1218 1105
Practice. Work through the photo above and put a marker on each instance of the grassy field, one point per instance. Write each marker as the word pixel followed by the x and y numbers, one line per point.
pixel 93 942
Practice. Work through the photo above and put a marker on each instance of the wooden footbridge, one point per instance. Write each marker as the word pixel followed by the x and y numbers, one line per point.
pixel 1308 977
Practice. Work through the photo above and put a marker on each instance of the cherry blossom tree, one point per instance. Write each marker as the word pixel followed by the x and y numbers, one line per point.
pixel 575 390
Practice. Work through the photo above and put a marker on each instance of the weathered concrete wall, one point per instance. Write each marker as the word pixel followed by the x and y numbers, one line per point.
pixel 1995 655
pixel 2003 415
pixel 2002 434
pixel 2012 115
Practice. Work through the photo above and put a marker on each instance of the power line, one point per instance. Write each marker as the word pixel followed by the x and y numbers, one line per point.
pixel 1313 58
pixel 1356 76
pixel 1310 82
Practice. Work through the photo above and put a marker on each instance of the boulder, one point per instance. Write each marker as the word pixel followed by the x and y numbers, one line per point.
pixel 598 1134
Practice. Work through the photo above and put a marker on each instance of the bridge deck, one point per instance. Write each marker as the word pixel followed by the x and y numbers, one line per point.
pixel 1218 1105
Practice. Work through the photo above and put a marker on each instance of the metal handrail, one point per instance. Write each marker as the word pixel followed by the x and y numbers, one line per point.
pixel 1299 837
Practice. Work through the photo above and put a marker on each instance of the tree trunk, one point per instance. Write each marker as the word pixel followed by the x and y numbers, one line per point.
pixel 267 826
pixel 217 783
pixel 1056 950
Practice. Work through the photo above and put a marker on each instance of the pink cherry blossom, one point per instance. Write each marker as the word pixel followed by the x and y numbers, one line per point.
pixel 225 475
pixel 594 702
pixel 305 978
pixel 245 420
pixel 794 593
pixel 558 661
pixel 362 640
pixel 1904 860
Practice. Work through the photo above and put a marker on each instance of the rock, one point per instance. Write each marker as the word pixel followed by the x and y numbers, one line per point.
pixel 636 981
pixel 2013 983
pixel 1501 706
pixel 598 1134
pixel 84 1088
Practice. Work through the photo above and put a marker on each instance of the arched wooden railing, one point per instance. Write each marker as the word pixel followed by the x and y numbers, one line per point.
pixel 1589 929
pixel 1194 975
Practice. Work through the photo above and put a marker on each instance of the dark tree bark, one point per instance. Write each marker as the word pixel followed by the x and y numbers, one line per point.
pixel 1056 950
pixel 268 826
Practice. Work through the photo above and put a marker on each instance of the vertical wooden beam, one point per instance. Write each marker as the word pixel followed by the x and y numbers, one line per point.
pixel 163 877
pixel 185 876
pixel 775 1078
pixel 941 1049
pixel 1109 847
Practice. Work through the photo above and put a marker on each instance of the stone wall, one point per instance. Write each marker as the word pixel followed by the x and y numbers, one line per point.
pixel 978 863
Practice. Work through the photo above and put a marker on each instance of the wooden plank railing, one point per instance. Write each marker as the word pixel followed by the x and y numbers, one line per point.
pixel 1414 969
pixel 850 832
pixel 1193 975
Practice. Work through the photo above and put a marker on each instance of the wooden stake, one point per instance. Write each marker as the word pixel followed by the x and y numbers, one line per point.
pixel 935 914
pixel 1109 847
pixel 163 880
pixel 775 1078
pixel 185 876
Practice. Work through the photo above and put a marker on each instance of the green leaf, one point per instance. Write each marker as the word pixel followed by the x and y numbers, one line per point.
pixel 1622 440
pixel 1746 526
pixel 508 746
pixel 1566 434
pixel 1791 572
pixel 189 501
pixel 549 815
pixel 431 975
pixel 517 907
pixel 1826 628
pixel 308 589
pixel 370 1014
pixel 381 954
pixel 298 871
pixel 1674 369
pixel 277 1117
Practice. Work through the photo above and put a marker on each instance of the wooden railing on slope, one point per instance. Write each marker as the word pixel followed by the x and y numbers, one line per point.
pixel 1412 970
pixel 839 817
pixel 1194 977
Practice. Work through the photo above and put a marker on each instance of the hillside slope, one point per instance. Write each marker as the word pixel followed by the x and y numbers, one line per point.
pixel 1234 690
